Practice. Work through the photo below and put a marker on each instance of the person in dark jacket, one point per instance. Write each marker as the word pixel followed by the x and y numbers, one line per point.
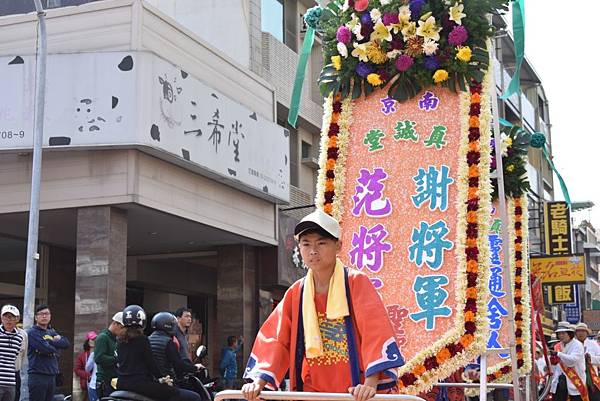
pixel 137 370
pixel 44 348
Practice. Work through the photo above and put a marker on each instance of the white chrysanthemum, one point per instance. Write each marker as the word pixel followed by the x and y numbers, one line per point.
pixel 430 47
pixel 375 15
pixel 385 2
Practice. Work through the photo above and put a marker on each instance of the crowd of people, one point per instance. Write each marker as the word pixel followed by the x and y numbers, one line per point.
pixel 120 357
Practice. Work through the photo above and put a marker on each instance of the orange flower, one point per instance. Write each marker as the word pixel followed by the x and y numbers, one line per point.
pixel 330 164
pixel 474 122
pixel 471 242
pixel 519 341
pixel 335 117
pixel 519 263
pixel 472 293
pixel 443 355
pixel 519 232
pixel 497 374
pixel 475 98
pixel 472 217
pixel 333 142
pixel 519 308
pixel 474 146
pixel 473 171
pixel 518 247
pixel 472 266
pixel 329 184
pixel 466 340
pixel 418 370
pixel 518 279
pixel 469 316
pixel 400 384
pixel 328 208
pixel 519 355
pixel 518 293
pixel 472 194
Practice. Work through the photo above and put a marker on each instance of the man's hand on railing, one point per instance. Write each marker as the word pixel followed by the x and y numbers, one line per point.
pixel 363 392
pixel 251 391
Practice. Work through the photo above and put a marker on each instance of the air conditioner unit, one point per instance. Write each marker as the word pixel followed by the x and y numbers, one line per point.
pixel 311 162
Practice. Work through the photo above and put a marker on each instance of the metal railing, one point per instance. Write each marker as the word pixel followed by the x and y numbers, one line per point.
pixel 297 395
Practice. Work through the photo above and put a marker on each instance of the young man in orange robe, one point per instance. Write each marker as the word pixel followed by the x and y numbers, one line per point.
pixel 331 331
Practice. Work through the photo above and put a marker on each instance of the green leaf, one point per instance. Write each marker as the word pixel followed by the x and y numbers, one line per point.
pixel 356 89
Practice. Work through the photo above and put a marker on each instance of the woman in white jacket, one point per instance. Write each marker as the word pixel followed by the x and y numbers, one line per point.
pixel 569 378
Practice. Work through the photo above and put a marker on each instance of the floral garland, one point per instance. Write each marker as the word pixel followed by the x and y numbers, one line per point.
pixel 410 44
pixel 332 158
pixel 517 212
pixel 467 340
pixel 518 221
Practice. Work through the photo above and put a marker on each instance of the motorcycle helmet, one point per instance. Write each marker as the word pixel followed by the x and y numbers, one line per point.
pixel 164 321
pixel 134 316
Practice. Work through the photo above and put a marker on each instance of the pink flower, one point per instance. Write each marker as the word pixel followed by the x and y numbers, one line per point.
pixel 344 35
pixel 361 5
pixel 458 36
pixel 404 62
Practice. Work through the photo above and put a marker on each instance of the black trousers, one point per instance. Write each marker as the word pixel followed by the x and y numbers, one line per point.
pixel 148 388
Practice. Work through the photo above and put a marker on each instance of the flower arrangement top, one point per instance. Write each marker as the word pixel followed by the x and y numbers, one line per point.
pixel 408 44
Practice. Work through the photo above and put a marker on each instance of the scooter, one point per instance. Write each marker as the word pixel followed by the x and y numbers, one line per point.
pixel 201 382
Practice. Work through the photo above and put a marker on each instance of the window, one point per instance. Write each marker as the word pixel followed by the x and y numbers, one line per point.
pixel 271 14
pixel 306 150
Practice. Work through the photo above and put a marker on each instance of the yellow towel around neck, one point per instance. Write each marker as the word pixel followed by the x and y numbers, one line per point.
pixel 337 307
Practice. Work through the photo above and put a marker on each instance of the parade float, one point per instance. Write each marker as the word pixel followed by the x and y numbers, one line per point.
pixel 406 165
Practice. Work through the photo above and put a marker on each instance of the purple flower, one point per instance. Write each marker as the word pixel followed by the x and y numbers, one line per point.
pixel 363 69
pixel 431 63
pixel 365 19
pixel 397 43
pixel 415 8
pixel 344 35
pixel 404 62
pixel 390 18
pixel 458 36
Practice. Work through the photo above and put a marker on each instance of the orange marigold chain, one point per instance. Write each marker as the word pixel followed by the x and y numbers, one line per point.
pixel 332 155
pixel 518 294
pixel 471 250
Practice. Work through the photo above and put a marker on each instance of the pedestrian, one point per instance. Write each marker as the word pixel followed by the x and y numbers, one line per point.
pixel 184 321
pixel 228 366
pixel 105 355
pixel 44 349
pixel 10 347
pixel 592 360
pixel 331 330
pixel 136 367
pixel 81 360
pixel 92 369
pixel 569 378
pixel 19 362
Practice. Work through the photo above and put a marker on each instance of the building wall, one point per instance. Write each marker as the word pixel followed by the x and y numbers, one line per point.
pixel 104 177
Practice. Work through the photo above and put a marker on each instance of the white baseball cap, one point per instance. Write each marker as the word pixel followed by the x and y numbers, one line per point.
pixel 118 317
pixel 10 309
pixel 318 219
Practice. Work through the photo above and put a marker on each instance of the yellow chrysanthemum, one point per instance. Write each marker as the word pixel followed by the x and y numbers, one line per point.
pixel 337 62
pixel 440 76
pixel 464 54
pixel 428 29
pixel 374 79
pixel 375 54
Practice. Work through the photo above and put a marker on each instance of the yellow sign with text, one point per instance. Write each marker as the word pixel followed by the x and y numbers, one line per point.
pixel 559 269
